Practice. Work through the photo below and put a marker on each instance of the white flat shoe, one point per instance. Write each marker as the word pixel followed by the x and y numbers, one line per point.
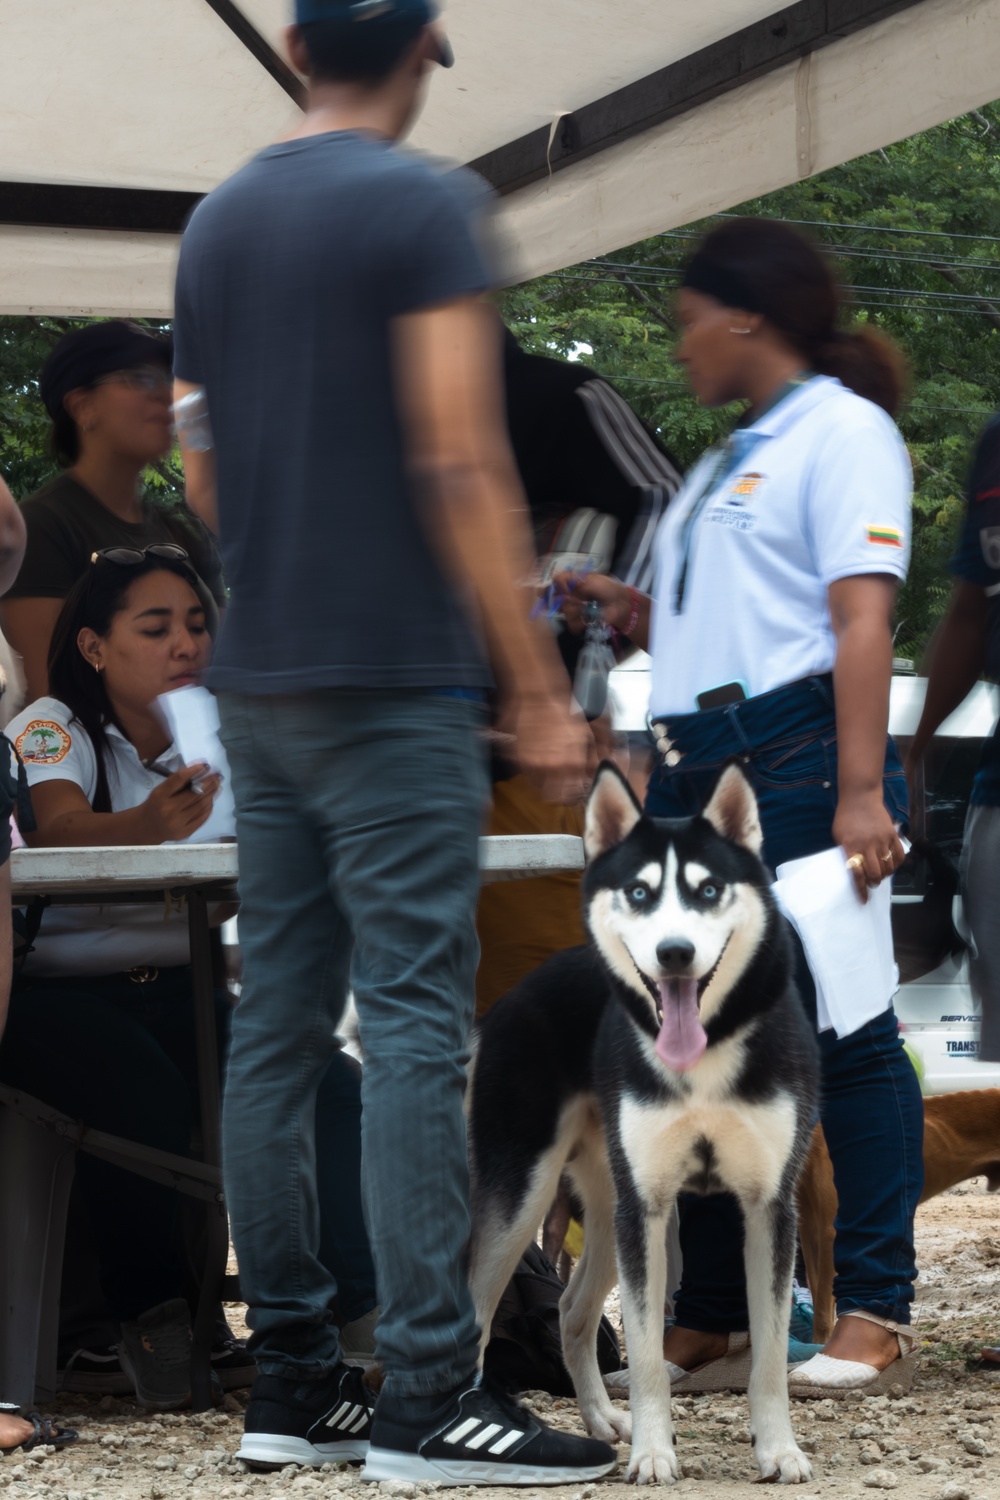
pixel 730 1372
pixel 823 1375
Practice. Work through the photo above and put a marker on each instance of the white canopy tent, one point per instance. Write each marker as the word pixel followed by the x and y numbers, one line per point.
pixel 599 121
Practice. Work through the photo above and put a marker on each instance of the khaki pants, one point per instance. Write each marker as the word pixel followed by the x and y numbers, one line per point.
pixel 523 922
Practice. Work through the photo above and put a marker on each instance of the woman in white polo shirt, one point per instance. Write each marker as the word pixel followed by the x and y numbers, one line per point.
pixel 771 636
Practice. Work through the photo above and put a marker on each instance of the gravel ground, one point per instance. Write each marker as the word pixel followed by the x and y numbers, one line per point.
pixel 939 1443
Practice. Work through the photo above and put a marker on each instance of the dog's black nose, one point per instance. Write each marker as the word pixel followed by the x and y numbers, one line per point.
pixel 675 955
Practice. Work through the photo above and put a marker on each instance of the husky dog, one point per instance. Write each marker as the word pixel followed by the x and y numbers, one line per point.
pixel 671 1056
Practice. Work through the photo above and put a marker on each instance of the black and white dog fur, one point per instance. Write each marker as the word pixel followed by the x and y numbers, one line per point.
pixel 670 1056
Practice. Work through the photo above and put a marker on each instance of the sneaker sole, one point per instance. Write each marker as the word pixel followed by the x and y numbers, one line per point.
pixel 278 1449
pixel 386 1463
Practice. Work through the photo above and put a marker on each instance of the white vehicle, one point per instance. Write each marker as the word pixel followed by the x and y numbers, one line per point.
pixel 937 1013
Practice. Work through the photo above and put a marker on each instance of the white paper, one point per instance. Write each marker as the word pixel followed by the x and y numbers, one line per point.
pixel 848 944
pixel 192 716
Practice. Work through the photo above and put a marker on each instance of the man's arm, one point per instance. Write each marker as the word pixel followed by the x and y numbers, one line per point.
pixel 13 539
pixel 199 469
pixel 955 658
pixel 27 626
pixel 447 363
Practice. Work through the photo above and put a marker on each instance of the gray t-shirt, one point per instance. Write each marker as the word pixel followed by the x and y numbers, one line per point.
pixel 290 276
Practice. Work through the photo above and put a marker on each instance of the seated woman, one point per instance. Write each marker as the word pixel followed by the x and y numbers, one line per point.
pixel 101 1021
pixel 107 390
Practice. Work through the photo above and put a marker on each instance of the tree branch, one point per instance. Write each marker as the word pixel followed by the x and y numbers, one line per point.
pixel 647 302
pixel 950 274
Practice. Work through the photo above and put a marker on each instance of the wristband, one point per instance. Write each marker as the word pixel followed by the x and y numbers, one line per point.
pixel 633 619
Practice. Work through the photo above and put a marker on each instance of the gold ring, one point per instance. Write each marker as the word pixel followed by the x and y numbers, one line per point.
pixel 887 858
pixel 856 862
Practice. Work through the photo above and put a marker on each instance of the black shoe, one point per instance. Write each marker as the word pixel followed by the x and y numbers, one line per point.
pixel 232 1366
pixel 476 1435
pixel 94 1372
pixel 309 1422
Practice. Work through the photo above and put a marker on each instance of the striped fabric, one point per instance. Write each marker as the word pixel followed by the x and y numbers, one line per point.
pixel 643 465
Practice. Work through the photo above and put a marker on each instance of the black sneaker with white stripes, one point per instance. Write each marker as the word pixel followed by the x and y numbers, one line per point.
pixel 476 1435
pixel 309 1422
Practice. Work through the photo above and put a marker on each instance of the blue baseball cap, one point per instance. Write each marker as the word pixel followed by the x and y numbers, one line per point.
pixel 386 23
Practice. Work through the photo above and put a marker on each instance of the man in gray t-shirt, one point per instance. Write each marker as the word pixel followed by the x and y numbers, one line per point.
pixel 373 534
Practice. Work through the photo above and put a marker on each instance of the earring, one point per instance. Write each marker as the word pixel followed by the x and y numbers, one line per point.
pixel 98 667
pixel 739 330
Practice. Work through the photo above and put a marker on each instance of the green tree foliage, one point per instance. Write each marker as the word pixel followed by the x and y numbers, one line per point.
pixel 915 233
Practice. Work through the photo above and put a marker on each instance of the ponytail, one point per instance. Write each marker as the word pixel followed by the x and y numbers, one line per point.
pixel 766 266
pixel 868 362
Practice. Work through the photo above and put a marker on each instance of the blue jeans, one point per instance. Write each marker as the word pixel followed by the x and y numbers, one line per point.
pixel 358 815
pixel 870 1105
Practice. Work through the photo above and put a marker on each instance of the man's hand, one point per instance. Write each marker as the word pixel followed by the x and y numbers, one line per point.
pixel 551 746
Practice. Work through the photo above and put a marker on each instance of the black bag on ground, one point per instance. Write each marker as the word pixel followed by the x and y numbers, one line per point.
pixel 525 1350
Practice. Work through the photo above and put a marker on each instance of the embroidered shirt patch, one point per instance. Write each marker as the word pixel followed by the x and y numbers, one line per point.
pixel 884 536
pixel 43 743
pixel 747 484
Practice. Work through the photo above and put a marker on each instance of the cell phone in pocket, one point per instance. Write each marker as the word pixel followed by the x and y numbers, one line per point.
pixel 718 697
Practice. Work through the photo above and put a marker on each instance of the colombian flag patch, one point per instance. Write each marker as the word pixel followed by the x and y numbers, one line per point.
pixel 884 536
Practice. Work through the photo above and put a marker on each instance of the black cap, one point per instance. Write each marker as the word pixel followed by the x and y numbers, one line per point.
pixel 99 349
pixel 377 23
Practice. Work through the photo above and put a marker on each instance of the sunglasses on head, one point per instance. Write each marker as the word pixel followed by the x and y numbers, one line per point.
pixel 151 379
pixel 130 557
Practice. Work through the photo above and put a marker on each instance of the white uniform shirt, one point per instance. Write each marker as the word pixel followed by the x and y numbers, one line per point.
pixel 78 940
pixel 820 490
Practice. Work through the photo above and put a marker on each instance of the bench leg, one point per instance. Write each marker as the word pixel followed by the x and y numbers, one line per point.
pixel 37 1173
pixel 217 1236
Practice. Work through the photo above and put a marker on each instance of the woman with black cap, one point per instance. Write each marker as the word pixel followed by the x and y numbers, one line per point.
pixel 770 629
pixel 107 388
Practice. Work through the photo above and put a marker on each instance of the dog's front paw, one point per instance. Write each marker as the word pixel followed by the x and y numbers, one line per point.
pixel 652 1466
pixel 787 1465
pixel 609 1425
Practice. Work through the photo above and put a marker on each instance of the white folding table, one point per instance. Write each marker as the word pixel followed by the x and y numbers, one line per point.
pixel 198 874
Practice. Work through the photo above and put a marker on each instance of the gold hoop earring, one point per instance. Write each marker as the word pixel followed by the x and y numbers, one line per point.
pixel 739 330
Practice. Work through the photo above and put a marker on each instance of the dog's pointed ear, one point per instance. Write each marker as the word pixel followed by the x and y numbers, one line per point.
pixel 612 811
pixel 732 810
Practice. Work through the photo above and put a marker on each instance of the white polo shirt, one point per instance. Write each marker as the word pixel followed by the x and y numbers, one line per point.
pixel 78 940
pixel 818 489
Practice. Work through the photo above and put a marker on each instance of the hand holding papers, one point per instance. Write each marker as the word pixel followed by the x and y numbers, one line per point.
pixel 848 944
pixel 192 716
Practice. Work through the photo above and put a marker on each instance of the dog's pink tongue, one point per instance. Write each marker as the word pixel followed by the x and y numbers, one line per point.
pixel 682 1038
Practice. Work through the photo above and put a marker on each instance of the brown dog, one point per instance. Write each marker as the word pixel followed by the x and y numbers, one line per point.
pixel 961 1139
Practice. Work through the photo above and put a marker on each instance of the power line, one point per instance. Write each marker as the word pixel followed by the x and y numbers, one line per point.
pixel 863 252
pixel 892 291
pixel 977 411
pixel 943 234
pixel 948 306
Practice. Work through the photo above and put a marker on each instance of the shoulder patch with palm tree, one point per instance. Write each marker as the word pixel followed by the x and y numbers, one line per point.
pixel 43 743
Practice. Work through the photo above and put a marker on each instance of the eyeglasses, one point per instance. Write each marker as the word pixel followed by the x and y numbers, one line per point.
pixel 130 557
pixel 152 380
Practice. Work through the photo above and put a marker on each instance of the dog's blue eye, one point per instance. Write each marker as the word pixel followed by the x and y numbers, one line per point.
pixel 638 894
pixel 709 892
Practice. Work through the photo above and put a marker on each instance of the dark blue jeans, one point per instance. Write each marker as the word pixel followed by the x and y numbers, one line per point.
pixel 358 815
pixel 870 1105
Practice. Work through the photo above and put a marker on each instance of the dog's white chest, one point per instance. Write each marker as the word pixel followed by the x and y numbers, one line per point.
pixel 706 1145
